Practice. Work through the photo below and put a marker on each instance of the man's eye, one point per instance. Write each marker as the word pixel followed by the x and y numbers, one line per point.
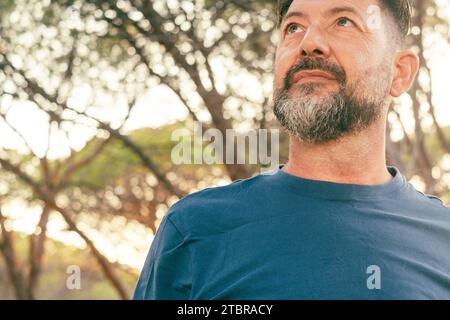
pixel 344 22
pixel 292 27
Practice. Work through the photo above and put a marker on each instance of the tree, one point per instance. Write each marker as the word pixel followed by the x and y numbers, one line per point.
pixel 70 61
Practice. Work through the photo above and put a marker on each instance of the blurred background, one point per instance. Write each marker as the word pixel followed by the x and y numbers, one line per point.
pixel 90 94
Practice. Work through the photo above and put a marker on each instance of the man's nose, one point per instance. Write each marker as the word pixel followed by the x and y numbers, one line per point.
pixel 314 43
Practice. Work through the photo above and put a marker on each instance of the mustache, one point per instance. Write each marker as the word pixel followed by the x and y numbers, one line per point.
pixel 315 64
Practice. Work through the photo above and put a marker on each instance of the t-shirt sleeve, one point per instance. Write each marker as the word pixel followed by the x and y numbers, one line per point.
pixel 166 274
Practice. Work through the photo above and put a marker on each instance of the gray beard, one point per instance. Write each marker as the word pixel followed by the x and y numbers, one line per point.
pixel 317 120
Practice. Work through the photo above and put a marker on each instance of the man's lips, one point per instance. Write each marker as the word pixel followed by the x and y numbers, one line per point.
pixel 312 75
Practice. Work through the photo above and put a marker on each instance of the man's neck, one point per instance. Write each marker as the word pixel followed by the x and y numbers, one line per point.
pixel 354 159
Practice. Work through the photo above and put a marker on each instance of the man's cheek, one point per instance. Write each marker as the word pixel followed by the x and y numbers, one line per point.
pixel 279 75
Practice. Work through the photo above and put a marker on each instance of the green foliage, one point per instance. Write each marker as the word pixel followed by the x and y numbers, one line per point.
pixel 117 161
pixel 6 6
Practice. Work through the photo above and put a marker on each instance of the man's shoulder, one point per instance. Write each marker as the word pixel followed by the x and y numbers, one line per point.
pixel 427 203
pixel 221 205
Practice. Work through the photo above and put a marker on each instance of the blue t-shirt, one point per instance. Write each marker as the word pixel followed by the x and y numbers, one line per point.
pixel 278 236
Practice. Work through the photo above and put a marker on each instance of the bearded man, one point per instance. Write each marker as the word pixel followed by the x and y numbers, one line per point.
pixel 334 222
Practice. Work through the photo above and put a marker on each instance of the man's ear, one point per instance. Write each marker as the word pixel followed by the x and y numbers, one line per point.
pixel 405 72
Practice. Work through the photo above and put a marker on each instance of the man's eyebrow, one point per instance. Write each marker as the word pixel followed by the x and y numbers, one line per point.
pixel 330 12
pixel 294 14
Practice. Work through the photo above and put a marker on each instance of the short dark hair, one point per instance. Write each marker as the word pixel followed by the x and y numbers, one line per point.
pixel 400 10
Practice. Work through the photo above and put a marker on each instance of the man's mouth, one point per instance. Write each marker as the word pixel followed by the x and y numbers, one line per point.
pixel 312 75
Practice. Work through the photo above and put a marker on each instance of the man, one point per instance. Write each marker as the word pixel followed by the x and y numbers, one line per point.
pixel 334 222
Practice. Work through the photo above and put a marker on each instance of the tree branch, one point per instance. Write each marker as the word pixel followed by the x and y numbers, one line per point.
pixel 50 202
pixel 11 262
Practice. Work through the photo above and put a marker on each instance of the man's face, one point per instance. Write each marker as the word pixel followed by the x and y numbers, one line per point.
pixel 333 68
